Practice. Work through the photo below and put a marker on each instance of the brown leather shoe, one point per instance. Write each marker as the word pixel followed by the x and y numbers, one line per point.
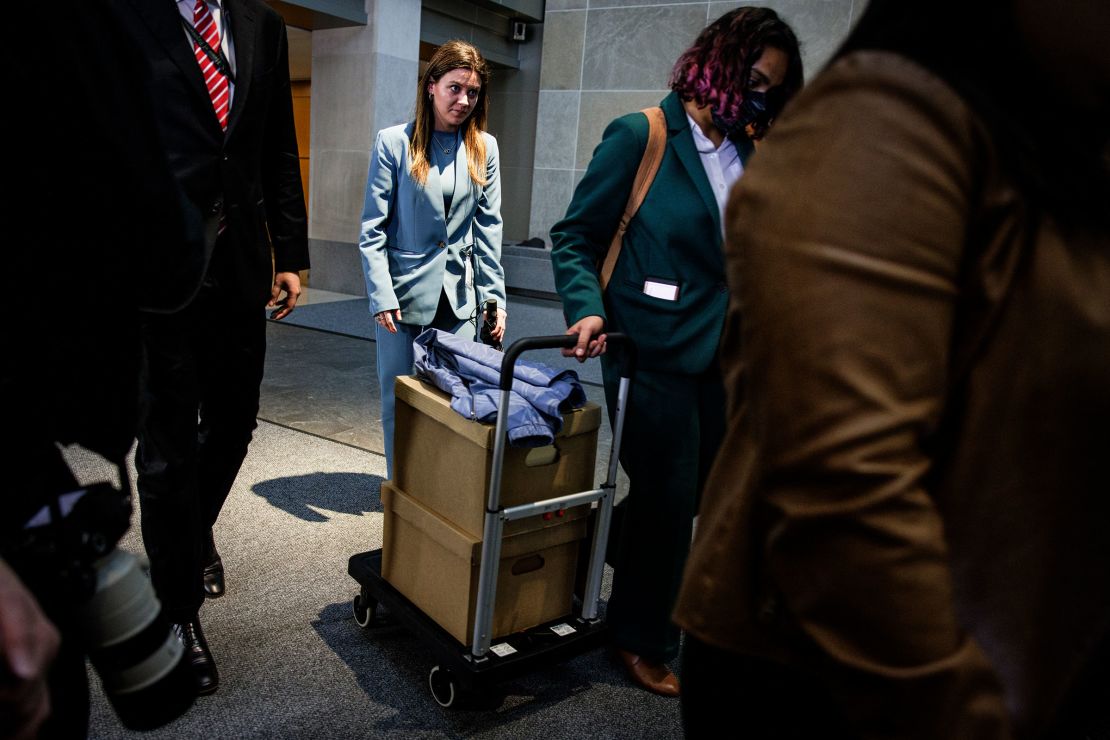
pixel 655 677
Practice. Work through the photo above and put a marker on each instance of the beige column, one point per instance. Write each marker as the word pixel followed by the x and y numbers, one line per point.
pixel 363 79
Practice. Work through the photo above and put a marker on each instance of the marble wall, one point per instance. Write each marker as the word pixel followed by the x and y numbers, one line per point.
pixel 604 58
pixel 512 119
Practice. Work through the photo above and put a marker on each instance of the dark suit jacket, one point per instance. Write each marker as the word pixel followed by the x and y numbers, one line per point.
pixel 913 497
pixel 252 173
pixel 675 236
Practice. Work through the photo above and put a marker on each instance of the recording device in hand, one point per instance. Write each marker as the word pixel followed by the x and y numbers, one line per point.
pixel 67 551
pixel 489 323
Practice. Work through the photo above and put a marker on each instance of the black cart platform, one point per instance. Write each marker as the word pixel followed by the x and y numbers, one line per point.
pixel 458 678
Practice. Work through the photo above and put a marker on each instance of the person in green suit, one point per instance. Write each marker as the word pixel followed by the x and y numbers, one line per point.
pixel 668 293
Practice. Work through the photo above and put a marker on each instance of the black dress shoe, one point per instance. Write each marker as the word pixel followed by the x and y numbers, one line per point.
pixel 213 571
pixel 199 656
pixel 214 579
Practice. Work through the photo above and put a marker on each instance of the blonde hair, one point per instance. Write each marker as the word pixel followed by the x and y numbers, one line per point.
pixel 454 54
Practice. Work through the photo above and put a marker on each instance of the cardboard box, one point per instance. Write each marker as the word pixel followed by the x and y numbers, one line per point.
pixel 444 461
pixel 435 565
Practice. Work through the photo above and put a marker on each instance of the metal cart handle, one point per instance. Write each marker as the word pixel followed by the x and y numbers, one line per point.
pixel 558 341
pixel 493 529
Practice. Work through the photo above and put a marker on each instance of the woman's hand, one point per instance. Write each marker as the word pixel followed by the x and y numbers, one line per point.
pixel 498 332
pixel 591 342
pixel 389 319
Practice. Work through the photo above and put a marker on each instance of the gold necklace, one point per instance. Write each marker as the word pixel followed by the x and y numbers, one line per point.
pixel 444 149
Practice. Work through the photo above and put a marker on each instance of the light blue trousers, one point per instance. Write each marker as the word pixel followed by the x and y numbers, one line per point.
pixel 395 357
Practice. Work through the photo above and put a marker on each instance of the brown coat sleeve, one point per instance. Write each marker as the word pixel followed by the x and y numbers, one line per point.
pixel 845 242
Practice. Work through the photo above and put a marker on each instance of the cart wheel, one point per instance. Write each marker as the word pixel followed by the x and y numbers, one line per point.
pixel 364 609
pixel 445 688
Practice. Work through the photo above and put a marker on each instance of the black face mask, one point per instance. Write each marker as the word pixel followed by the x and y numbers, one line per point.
pixel 753 110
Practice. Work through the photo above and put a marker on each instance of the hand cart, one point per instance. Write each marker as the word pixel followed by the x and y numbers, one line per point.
pixel 464 675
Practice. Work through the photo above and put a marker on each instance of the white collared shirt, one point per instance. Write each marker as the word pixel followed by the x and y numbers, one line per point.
pixel 722 164
pixel 227 46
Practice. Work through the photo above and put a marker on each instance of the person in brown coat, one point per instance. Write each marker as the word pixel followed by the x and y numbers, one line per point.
pixel 906 533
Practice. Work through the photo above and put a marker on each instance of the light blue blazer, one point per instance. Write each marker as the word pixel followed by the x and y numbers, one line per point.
pixel 412 251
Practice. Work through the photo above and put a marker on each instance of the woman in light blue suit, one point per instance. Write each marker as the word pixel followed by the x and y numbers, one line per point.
pixel 431 220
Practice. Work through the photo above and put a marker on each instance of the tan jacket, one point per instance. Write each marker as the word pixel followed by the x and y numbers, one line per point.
pixel 913 497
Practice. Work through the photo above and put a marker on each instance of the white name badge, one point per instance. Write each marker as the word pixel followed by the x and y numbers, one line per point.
pixel 664 289
pixel 468 261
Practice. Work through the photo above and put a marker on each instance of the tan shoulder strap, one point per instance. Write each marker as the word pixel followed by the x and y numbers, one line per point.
pixel 649 165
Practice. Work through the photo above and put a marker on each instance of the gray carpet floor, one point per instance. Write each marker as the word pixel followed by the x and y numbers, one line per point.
pixel 293 663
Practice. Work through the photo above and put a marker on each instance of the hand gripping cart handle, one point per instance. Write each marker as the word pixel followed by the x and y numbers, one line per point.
pixel 496 517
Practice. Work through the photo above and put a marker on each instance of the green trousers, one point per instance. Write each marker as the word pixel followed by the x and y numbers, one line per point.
pixel 673 428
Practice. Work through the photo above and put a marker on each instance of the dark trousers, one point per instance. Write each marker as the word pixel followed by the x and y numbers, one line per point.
pixel 673 428
pixel 752 698
pixel 202 368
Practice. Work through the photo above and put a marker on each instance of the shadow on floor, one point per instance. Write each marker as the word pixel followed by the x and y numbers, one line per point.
pixel 304 495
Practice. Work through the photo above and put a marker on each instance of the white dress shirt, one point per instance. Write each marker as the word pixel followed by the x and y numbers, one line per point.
pixel 722 164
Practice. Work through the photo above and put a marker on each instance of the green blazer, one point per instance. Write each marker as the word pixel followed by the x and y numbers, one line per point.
pixel 675 237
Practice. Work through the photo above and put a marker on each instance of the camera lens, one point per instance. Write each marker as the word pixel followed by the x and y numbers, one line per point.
pixel 139 659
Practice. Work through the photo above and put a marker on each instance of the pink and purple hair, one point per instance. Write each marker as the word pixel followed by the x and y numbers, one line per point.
pixel 715 70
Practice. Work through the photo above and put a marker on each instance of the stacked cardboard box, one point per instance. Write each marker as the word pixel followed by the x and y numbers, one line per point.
pixel 435 509
pixel 435 565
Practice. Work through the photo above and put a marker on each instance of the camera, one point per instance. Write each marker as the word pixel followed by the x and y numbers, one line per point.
pixel 67 555
pixel 489 323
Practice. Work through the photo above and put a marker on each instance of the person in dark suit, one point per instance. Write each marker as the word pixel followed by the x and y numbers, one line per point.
pixel 81 273
pixel 667 292
pixel 220 76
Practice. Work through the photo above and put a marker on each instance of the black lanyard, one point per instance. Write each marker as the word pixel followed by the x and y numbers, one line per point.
pixel 216 57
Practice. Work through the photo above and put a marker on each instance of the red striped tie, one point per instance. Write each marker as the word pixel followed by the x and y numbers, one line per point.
pixel 213 78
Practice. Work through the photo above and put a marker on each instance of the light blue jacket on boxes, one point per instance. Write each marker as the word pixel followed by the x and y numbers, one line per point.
pixel 471 373
pixel 412 251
